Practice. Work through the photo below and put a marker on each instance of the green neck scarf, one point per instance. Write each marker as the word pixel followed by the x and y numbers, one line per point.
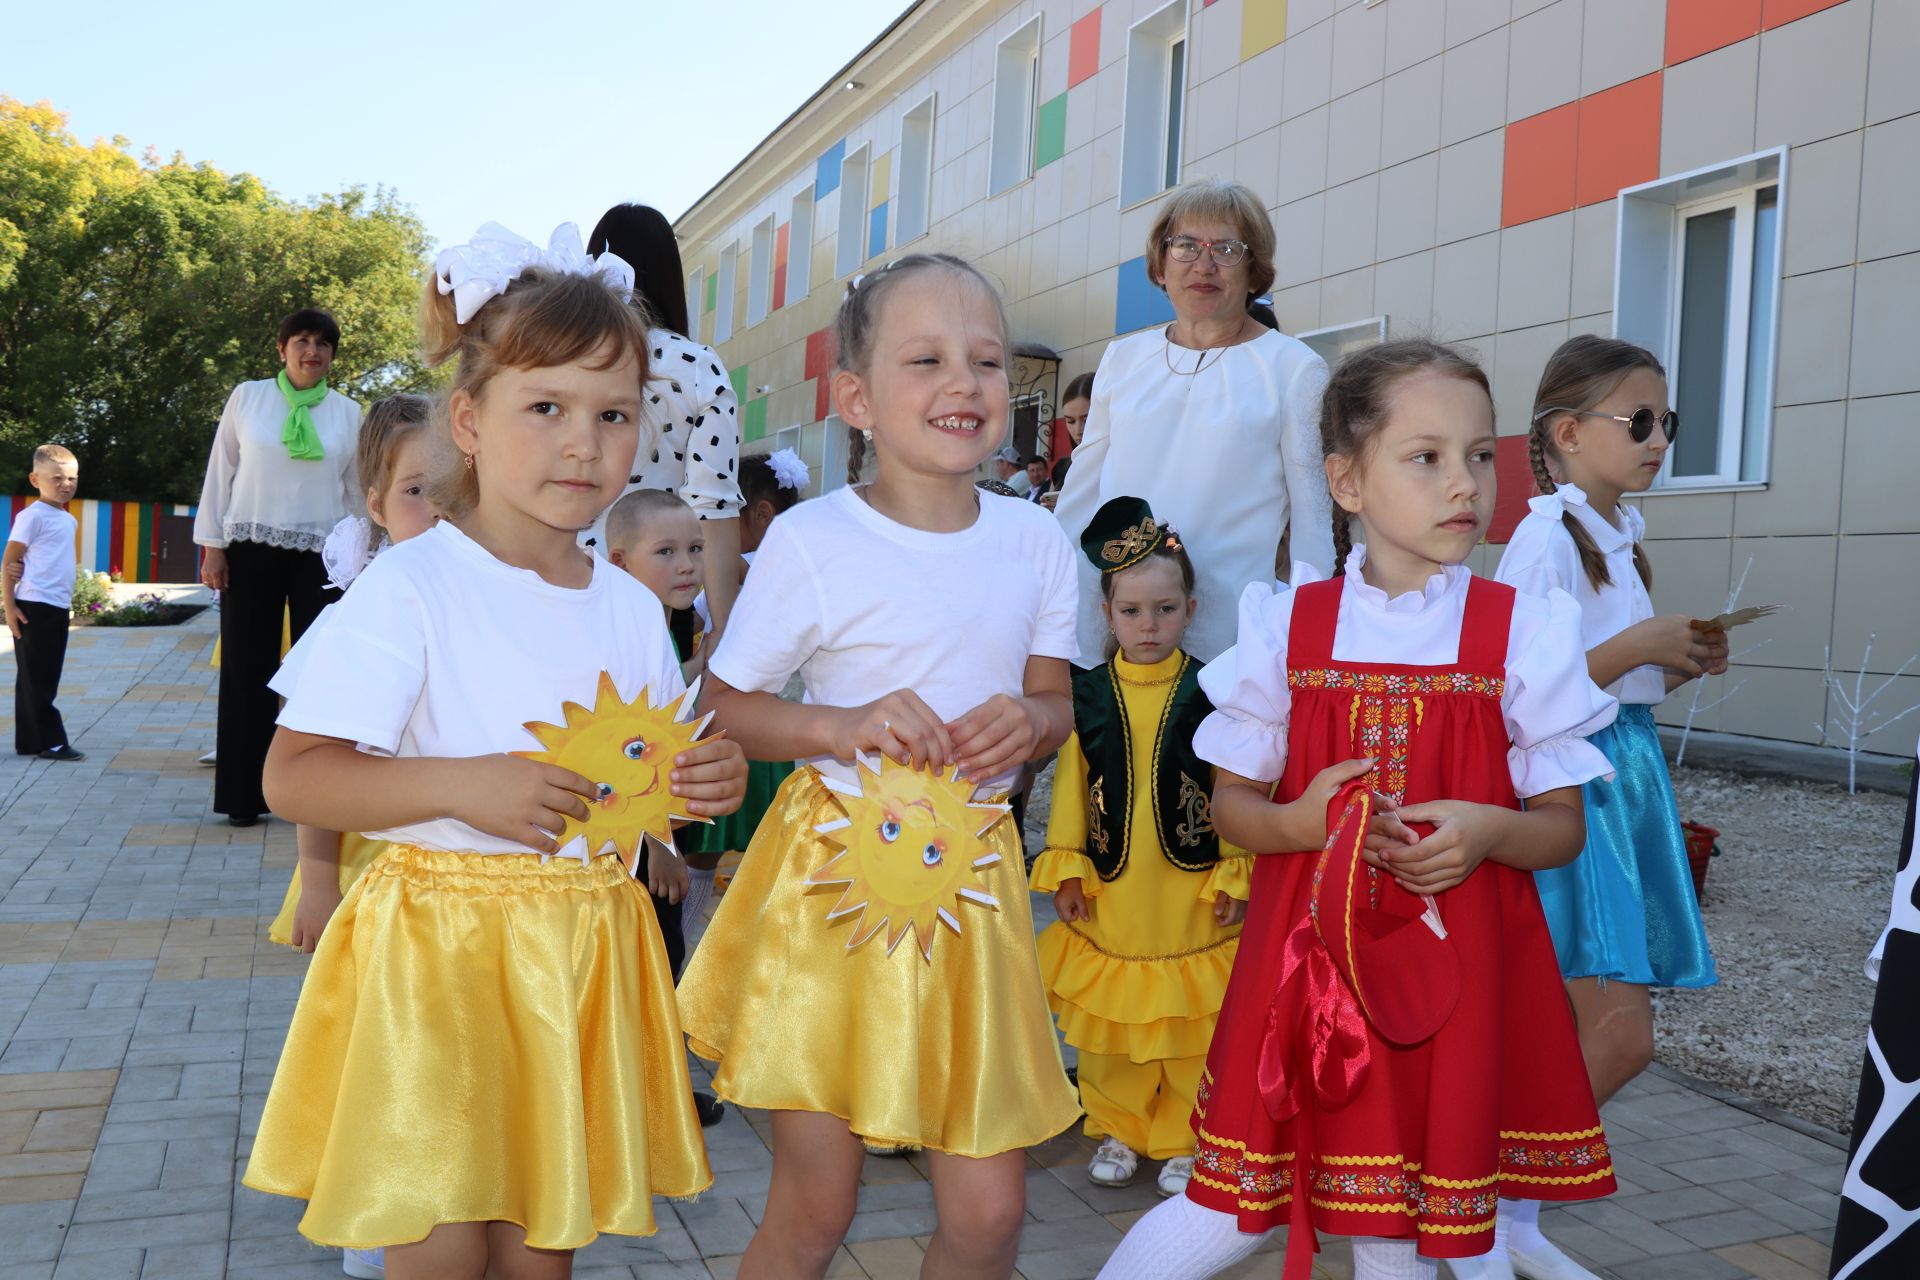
pixel 302 441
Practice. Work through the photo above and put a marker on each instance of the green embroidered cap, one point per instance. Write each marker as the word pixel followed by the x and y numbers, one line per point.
pixel 1121 534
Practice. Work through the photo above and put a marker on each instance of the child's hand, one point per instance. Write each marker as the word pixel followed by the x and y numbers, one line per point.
pixel 1070 902
pixel 1386 832
pixel 899 726
pixel 666 873
pixel 1714 661
pixel 711 778
pixel 1461 840
pixel 319 899
pixel 1228 911
pixel 1671 641
pixel 995 736
pixel 16 570
pixel 519 799
pixel 15 621
pixel 1311 805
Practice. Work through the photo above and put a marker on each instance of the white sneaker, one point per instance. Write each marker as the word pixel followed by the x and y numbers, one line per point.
pixel 364 1264
pixel 1535 1257
pixel 1488 1266
pixel 212 757
pixel 1114 1164
pixel 1174 1176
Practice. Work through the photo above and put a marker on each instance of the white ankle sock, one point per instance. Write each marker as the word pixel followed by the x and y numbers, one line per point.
pixel 1181 1240
pixel 1391 1260
pixel 693 907
pixel 1517 1233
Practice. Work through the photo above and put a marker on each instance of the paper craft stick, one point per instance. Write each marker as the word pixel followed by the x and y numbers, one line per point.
pixel 1738 618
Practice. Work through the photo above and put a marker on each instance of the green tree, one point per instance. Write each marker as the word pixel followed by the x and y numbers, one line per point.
pixel 135 292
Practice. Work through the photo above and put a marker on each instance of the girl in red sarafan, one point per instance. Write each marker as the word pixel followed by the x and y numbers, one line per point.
pixel 1395 1049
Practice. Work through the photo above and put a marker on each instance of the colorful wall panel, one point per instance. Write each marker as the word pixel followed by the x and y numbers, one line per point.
pixel 113 537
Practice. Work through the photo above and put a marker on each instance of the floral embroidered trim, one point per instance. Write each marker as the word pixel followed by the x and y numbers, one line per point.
pixel 267 536
pixel 1395 684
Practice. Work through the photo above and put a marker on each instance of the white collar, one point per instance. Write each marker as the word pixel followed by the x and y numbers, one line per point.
pixel 1606 535
pixel 1437 588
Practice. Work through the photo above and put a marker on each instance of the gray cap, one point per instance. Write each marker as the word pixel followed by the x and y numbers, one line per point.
pixel 1011 455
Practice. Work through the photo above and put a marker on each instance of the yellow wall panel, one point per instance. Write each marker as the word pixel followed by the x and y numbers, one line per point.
pixel 1263 24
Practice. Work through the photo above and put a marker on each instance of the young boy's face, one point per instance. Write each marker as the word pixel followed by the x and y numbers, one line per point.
pixel 56 482
pixel 665 553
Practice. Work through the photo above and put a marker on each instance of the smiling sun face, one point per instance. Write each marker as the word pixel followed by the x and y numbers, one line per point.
pixel 626 749
pixel 912 848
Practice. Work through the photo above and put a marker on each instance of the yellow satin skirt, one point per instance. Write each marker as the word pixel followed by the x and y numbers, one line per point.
pixel 356 855
pixel 955 1053
pixel 483 1039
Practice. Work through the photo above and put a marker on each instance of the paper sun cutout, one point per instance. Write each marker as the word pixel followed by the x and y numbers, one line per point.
pixel 627 750
pixel 911 850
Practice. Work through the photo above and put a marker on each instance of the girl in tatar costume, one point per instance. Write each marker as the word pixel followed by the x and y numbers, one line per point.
pixel 1149 901
pixel 932 1031
pixel 1395 1049
pixel 485 1070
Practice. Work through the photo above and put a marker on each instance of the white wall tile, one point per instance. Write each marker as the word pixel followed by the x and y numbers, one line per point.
pixel 1621 40
pixel 1256 163
pixel 1594 229
pixel 1466 287
pixel 1351 220
pixel 1516 374
pixel 1536 265
pixel 1110 95
pixel 1469 187
pixel 1408 200
pixel 1053 61
pixel 1410 113
pixel 1889 188
pixel 1213 37
pixel 1877 466
pixel 1892 88
pixel 1306 82
pixel 1083 106
pixel 1298 228
pixel 1473 96
pixel 1347 297
pixel 1298 308
pixel 1303 14
pixel 1810 444
pixel 1212 115
pixel 1469 19
pixel 1886 315
pixel 1789 571
pixel 1260 89
pixel 1104 184
pixel 1403 292
pixel 1415 32
pixel 1706 108
pixel 1543 70
pixel 1353 135
pixel 1359 47
pixel 1816 327
pixel 1104 248
pixel 1303 156
pixel 1823 204
pixel 1813 76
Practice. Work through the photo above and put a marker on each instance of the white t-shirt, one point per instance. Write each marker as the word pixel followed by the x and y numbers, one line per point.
pixel 1541 557
pixel 255 491
pixel 1230 456
pixel 1550 705
pixel 861 606
pixel 442 650
pixel 51 562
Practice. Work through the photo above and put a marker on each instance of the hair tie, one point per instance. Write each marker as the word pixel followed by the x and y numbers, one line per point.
pixel 789 470
pixel 477 273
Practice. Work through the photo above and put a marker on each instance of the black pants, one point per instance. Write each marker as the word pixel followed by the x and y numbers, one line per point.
pixel 262 583
pixel 673 931
pixel 38 655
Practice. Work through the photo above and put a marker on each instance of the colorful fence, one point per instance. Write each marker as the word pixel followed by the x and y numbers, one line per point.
pixel 114 537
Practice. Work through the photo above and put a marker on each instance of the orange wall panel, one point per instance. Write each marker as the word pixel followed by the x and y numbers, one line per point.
pixel 1539 172
pixel 1619 139
pixel 1083 49
pixel 1695 27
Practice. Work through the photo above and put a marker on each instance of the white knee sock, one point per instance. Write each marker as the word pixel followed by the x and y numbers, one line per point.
pixel 1391 1260
pixel 693 907
pixel 1516 1217
pixel 1181 1240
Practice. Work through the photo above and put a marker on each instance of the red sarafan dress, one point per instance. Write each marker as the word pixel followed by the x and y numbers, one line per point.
pixel 1307 1116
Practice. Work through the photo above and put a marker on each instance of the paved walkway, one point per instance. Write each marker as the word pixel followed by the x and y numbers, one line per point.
pixel 142 1009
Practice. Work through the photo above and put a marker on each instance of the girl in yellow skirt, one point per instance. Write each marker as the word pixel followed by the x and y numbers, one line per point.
pixel 1150 900
pixel 395 459
pixel 931 624
pixel 485 1069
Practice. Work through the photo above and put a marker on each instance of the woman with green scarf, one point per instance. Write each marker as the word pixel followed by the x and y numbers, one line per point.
pixel 280 476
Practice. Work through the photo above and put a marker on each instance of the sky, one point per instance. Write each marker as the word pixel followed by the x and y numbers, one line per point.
pixel 526 114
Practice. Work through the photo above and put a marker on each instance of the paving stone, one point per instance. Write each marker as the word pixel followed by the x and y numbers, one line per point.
pixel 117 1264
pixel 1680 1266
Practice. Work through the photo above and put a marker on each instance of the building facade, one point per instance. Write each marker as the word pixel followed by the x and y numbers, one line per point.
pixel 1732 183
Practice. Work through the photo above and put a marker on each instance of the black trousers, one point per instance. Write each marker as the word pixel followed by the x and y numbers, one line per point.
pixel 263 582
pixel 38 655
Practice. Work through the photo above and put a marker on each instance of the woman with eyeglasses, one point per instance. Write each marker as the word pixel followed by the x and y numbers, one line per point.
pixel 1213 419
pixel 1623 914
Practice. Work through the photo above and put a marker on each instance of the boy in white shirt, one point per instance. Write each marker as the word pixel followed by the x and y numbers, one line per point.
pixel 40 604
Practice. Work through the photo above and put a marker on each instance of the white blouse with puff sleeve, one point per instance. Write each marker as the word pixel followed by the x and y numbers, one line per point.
pixel 1550 705
pixel 255 491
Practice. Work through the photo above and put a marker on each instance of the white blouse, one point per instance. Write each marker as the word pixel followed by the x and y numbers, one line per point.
pixel 1550 705
pixel 1541 557
pixel 256 492
pixel 1230 456
pixel 690 441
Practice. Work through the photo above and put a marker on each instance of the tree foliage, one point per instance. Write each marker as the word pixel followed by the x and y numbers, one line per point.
pixel 136 292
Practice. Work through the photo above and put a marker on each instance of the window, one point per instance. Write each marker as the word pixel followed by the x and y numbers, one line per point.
pixel 723 305
pixel 1016 99
pixel 1697 283
pixel 850 248
pixel 696 301
pixel 760 272
pixel 800 247
pixel 916 174
pixel 1154 112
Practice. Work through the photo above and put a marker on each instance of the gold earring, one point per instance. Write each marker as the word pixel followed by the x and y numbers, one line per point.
pixel 469 460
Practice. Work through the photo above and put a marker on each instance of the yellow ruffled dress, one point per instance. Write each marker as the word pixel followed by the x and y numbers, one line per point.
pixel 356 855
pixel 1137 988
pixel 954 1052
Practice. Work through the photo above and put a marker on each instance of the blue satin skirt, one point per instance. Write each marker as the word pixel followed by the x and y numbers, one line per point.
pixel 1625 908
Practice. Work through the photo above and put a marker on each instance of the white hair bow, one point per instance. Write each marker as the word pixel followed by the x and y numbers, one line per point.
pixel 789 469
pixel 481 271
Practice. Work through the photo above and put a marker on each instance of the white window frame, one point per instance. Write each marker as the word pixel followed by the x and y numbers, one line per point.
pixel 760 272
pixel 723 304
pixel 696 301
pixel 913 216
pixel 1149 135
pixel 800 245
pixel 1336 341
pixel 1016 109
pixel 1650 273
pixel 850 247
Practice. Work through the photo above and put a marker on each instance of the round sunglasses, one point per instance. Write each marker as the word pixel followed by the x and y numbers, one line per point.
pixel 1639 425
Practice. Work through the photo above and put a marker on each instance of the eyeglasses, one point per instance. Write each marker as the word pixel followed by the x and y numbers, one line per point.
pixel 1225 253
pixel 1639 426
